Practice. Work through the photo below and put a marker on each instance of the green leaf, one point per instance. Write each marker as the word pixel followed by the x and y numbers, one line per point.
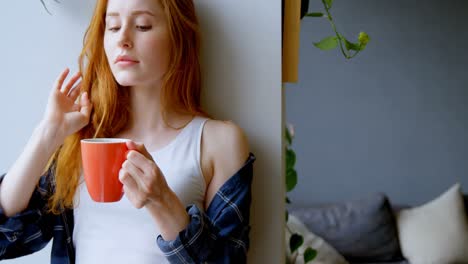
pixel 309 254
pixel 290 159
pixel 295 242
pixel 314 14
pixel 363 39
pixel 352 46
pixel 287 216
pixel 329 3
pixel 288 136
pixel 327 43
pixel 291 179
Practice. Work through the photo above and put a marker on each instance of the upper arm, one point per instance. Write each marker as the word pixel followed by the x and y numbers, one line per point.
pixel 224 150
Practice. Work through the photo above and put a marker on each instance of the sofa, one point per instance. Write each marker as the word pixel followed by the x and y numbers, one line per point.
pixel 371 230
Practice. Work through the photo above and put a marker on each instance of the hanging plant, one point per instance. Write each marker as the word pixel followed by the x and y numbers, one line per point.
pixel 349 50
pixel 45 6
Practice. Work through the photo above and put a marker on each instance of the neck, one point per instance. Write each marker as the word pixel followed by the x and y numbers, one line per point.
pixel 146 112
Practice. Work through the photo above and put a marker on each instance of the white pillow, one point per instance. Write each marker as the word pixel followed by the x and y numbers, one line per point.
pixel 326 254
pixel 436 232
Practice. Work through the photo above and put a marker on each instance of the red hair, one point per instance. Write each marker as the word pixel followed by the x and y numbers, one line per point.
pixel 180 91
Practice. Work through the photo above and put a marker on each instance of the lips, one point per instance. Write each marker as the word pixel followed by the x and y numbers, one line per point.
pixel 125 59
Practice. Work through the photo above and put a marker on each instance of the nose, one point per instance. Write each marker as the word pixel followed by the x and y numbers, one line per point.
pixel 125 39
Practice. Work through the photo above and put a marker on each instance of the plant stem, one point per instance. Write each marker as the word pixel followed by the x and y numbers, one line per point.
pixel 45 6
pixel 294 256
pixel 340 40
pixel 329 17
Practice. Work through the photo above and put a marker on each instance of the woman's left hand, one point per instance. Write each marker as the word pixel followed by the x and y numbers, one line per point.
pixel 143 181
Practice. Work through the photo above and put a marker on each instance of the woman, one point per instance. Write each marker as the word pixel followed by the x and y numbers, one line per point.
pixel 192 174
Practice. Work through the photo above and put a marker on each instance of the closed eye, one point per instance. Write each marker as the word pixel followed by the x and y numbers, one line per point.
pixel 113 29
pixel 143 28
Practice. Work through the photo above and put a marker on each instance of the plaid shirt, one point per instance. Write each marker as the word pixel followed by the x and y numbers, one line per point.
pixel 219 235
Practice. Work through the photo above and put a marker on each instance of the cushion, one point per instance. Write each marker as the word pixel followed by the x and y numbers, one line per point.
pixel 393 262
pixel 436 232
pixel 362 230
pixel 325 253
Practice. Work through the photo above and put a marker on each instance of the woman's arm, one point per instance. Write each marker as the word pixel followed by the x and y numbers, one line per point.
pixel 221 233
pixel 18 185
pixel 62 118
pixel 32 229
pixel 225 149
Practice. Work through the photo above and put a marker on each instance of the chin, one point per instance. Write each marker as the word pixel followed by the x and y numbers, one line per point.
pixel 125 80
pixel 130 79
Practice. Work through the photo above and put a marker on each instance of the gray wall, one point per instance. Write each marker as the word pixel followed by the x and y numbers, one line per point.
pixel 394 118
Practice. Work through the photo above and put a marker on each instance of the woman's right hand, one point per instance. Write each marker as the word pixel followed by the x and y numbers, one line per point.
pixel 63 116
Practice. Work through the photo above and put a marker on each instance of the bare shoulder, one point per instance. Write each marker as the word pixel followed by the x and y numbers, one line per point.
pixel 225 150
pixel 226 142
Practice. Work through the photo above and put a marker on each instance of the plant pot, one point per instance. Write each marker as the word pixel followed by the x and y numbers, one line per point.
pixel 304 7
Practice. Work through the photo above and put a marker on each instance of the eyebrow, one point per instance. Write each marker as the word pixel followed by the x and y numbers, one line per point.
pixel 134 13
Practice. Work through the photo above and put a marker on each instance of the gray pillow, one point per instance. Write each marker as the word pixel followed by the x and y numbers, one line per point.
pixel 361 230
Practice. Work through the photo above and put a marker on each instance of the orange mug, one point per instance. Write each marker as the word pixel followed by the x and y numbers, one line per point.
pixel 102 160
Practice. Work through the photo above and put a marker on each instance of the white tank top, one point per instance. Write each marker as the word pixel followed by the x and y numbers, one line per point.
pixel 118 232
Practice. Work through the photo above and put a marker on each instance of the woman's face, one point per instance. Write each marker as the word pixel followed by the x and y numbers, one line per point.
pixel 136 41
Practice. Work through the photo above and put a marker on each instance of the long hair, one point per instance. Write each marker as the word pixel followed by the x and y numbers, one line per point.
pixel 180 91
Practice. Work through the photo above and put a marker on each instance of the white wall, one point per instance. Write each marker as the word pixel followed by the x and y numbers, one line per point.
pixel 242 60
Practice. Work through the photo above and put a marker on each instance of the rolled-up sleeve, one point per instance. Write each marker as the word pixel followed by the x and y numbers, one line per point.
pixel 221 234
pixel 27 231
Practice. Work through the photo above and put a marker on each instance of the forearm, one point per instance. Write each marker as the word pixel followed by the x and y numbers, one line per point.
pixel 203 241
pixel 169 215
pixel 22 178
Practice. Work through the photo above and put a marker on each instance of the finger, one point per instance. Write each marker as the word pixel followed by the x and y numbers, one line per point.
pixel 126 179
pixel 134 198
pixel 131 189
pixel 71 82
pixel 60 79
pixel 86 105
pixel 135 173
pixel 76 108
pixel 141 161
pixel 75 91
pixel 140 147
